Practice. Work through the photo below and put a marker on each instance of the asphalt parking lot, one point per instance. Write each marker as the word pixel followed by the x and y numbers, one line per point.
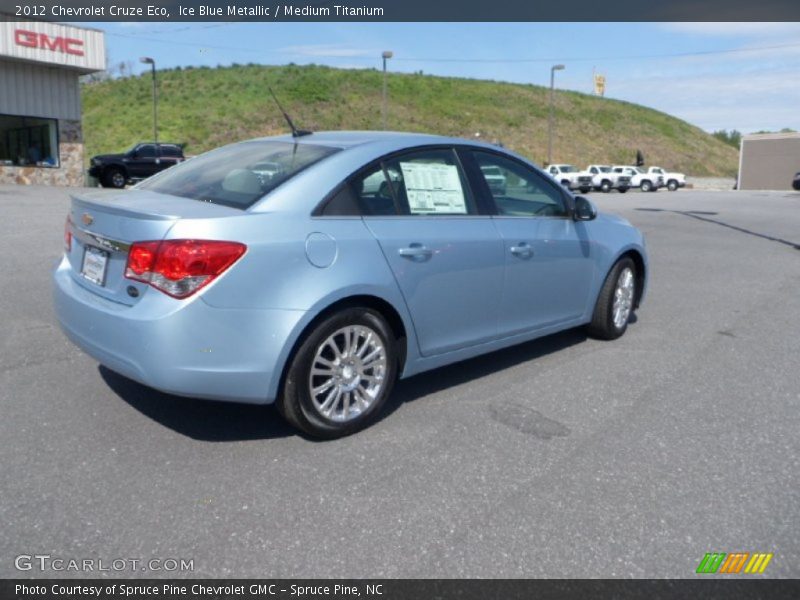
pixel 564 457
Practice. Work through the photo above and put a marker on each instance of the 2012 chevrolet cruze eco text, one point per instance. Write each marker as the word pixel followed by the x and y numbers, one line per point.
pixel 314 271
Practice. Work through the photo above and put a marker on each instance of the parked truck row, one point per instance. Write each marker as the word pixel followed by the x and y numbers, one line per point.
pixel 604 178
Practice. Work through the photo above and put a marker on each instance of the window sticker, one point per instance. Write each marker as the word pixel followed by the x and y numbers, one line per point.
pixel 433 188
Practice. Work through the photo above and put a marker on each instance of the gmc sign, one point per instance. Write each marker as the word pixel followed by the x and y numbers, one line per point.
pixel 31 39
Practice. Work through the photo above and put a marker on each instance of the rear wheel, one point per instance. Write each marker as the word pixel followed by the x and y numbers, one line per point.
pixel 622 190
pixel 647 186
pixel 585 190
pixel 114 177
pixel 615 302
pixel 341 375
pixel 672 185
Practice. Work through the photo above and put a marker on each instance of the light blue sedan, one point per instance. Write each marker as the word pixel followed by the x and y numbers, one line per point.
pixel 355 258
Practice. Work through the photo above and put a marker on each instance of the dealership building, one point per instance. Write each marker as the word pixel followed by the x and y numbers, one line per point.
pixel 768 161
pixel 41 139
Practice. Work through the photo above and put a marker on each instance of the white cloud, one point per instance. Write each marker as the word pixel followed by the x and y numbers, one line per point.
pixel 749 102
pixel 732 29
pixel 328 51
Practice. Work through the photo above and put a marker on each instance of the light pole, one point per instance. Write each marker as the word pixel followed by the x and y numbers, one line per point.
pixel 550 125
pixel 386 55
pixel 149 61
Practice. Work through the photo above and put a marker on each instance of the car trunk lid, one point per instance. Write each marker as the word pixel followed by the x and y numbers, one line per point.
pixel 105 224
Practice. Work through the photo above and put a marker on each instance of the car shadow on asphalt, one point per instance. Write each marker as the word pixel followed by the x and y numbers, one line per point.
pixel 702 215
pixel 228 422
pixel 431 382
pixel 200 419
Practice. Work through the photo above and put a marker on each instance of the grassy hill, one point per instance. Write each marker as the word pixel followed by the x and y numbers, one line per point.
pixel 206 108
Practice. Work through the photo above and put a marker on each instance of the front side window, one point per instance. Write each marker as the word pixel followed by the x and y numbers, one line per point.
pixel 238 175
pixel 518 190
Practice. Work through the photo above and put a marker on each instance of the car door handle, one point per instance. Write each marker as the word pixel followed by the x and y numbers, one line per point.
pixel 415 251
pixel 523 250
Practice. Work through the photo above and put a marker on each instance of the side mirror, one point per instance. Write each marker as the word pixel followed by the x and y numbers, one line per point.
pixel 584 209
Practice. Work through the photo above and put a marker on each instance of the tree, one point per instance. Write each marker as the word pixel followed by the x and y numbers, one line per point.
pixel 732 137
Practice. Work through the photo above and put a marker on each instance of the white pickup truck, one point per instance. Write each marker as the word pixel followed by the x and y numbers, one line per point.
pixel 571 178
pixel 647 182
pixel 604 179
pixel 673 180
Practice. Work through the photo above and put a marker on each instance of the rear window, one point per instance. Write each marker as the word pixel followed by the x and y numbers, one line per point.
pixel 173 151
pixel 237 175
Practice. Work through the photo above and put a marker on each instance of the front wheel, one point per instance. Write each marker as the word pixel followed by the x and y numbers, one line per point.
pixel 605 187
pixel 647 186
pixel 622 190
pixel 615 302
pixel 341 375
pixel 585 190
pixel 113 178
pixel 672 185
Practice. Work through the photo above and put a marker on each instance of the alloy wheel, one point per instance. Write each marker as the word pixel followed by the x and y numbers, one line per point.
pixel 348 373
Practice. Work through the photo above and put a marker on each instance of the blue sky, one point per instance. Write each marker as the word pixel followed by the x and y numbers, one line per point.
pixel 743 76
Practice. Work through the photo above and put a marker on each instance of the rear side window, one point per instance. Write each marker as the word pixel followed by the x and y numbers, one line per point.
pixel 374 192
pixel 425 182
pixel 237 175
pixel 171 151
pixel 430 182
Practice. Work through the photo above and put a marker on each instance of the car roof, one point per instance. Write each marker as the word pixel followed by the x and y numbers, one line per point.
pixel 351 139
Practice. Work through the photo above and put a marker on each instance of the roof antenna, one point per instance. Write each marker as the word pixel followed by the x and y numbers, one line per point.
pixel 295 131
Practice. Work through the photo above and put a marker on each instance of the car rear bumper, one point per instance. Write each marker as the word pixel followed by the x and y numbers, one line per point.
pixel 185 347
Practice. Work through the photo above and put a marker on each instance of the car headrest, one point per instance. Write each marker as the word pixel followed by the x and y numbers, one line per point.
pixel 242 181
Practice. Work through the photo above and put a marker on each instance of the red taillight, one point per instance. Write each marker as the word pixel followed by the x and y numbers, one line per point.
pixel 68 234
pixel 141 257
pixel 181 267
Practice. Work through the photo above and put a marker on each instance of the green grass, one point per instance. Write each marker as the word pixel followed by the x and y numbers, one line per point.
pixel 205 108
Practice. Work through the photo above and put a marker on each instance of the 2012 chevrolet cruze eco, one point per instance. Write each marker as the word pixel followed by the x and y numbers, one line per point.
pixel 355 258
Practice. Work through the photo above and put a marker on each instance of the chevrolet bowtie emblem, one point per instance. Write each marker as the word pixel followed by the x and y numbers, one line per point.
pixel 87 219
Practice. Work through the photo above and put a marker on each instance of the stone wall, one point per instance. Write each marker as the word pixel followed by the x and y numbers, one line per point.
pixel 69 173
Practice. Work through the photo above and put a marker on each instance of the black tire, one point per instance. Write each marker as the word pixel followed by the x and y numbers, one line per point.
pixel 602 325
pixel 647 186
pixel 565 183
pixel 295 401
pixel 622 190
pixel 113 177
pixel 605 187
pixel 672 185
pixel 585 190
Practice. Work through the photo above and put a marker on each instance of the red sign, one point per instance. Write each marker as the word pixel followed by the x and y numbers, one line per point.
pixel 31 39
